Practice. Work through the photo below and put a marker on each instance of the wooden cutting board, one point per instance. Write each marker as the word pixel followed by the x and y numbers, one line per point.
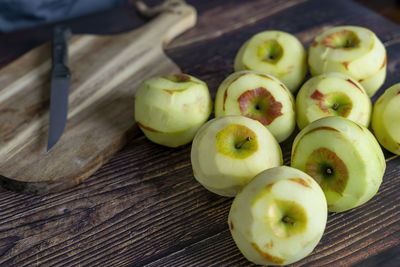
pixel 105 73
pixel 144 208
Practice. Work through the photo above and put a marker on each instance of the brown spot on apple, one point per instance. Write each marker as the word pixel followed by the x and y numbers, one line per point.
pixel 398 92
pixel 237 78
pixel 225 96
pixel 269 245
pixel 359 126
pixel 346 64
pixel 267 256
pixel 300 181
pixel 326 128
pixel 264 76
pixel 148 128
pixel 314 44
pixel 171 92
pixel 227 87
pixel 293 104
pixel 181 78
pixel 246 67
pixel 178 78
pixel 384 62
pixel 284 87
pixel 259 104
pixel 317 95
pixel 353 83
pixel 379 101
pixel 231 226
pixel 360 80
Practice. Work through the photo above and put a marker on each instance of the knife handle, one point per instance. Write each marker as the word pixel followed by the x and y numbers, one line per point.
pixel 61 34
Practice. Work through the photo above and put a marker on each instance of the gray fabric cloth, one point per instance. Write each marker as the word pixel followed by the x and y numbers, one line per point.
pixel 19 14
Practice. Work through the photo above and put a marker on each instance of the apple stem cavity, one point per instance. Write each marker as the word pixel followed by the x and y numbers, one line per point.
pixel 241 143
pixel 287 219
pixel 335 106
pixel 270 51
pixel 349 44
pixel 329 171
pixel 342 39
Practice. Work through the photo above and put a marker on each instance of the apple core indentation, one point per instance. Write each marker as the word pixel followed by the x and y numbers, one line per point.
pixel 236 141
pixel 286 218
pixel 328 170
pixel 270 51
pixel 259 104
pixel 344 39
pixel 335 103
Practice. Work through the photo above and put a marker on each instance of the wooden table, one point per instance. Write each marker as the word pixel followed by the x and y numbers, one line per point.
pixel 144 207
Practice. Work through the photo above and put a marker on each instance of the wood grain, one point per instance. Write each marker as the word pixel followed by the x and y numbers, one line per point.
pixel 144 208
pixel 389 9
pixel 105 71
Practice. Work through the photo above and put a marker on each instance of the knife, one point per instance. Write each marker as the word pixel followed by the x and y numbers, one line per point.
pixel 60 81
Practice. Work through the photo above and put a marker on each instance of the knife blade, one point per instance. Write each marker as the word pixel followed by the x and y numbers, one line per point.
pixel 60 82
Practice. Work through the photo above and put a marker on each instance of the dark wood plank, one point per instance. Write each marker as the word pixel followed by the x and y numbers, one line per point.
pixel 216 18
pixel 126 18
pixel 389 8
pixel 144 206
